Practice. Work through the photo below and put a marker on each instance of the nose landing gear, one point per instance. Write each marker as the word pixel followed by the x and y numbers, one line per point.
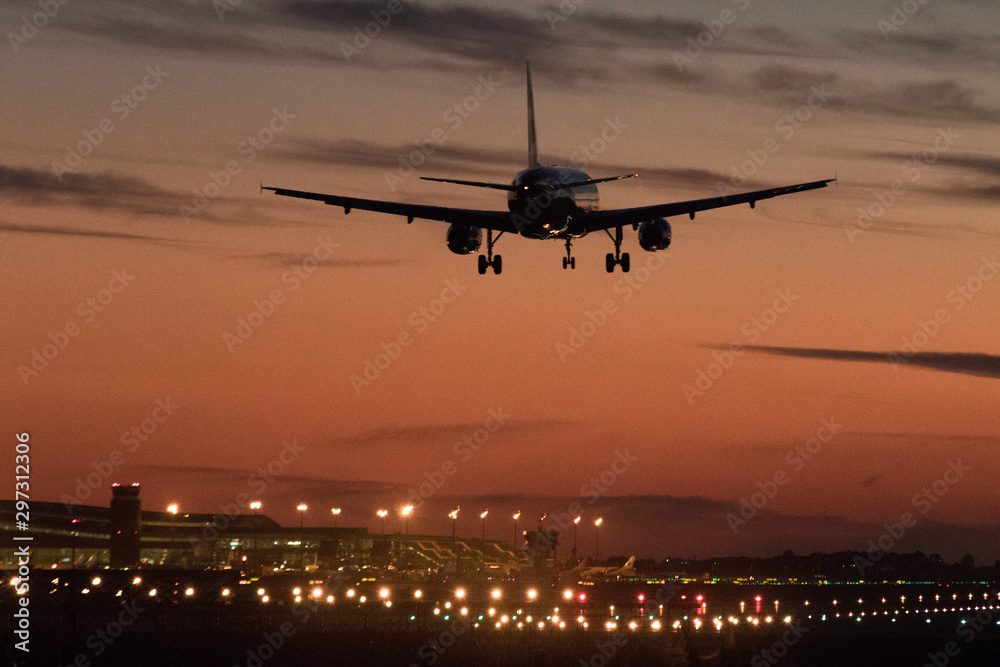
pixel 569 260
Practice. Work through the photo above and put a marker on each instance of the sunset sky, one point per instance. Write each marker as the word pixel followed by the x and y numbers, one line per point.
pixel 135 244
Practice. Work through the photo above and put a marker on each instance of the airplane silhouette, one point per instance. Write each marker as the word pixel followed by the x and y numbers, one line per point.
pixel 549 203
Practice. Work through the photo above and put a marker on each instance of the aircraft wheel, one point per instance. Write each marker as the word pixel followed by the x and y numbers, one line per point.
pixel 609 263
pixel 497 265
pixel 482 264
pixel 572 263
pixel 564 262
pixel 625 262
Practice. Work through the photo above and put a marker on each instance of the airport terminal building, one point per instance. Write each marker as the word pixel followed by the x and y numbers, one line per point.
pixel 126 536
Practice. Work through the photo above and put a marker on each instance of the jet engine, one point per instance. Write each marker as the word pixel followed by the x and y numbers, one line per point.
pixel 464 240
pixel 654 235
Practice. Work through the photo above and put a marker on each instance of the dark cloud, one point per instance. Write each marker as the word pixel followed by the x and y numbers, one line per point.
pixel 442 434
pixel 100 192
pixel 358 153
pixel 909 46
pixel 980 365
pixel 460 161
pixel 987 165
pixel 132 196
pixel 94 233
pixel 460 38
pixel 778 78
pixel 290 259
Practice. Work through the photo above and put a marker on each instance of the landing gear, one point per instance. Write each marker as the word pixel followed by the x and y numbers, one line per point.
pixel 489 260
pixel 619 258
pixel 569 260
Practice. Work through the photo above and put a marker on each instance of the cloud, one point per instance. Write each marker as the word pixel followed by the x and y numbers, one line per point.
pixel 469 39
pixel 438 434
pixel 94 233
pixel 103 192
pixel 291 259
pixel 979 365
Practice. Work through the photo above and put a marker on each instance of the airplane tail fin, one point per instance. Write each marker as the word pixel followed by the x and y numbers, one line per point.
pixel 629 565
pixel 532 138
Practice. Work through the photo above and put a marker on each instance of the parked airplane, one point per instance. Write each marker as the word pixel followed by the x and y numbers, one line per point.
pixel 604 573
pixel 549 203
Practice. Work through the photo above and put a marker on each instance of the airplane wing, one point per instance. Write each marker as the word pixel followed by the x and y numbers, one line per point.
pixel 598 220
pixel 496 220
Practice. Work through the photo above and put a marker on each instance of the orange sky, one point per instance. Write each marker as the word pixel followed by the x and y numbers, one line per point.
pixel 342 126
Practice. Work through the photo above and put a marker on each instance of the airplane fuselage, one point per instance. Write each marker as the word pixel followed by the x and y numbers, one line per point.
pixel 542 209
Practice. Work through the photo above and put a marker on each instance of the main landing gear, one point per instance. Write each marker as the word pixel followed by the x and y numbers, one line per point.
pixel 619 258
pixel 489 260
pixel 569 260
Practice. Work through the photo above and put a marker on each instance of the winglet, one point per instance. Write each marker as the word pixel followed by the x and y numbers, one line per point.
pixel 532 139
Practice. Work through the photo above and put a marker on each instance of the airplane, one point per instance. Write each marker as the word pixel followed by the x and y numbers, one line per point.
pixel 591 573
pixel 552 202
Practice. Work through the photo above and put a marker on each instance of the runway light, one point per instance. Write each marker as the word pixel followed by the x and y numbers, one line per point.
pixel 655 625
pixel 496 593
pixel 137 581
pixel 189 592
pixel 266 598
pixel 383 593
pixel 532 593
pixel 460 593
pixel 96 581
pixel 260 591
pixel 317 592
pixel 225 592
pixel 418 593
pixel 350 592
pixel 329 599
pixel 296 591
pixel 152 592
pixel 568 594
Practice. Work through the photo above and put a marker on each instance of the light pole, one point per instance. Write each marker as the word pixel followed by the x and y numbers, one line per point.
pixel 302 538
pixel 406 511
pixel 576 524
pixel 483 517
pixel 517 515
pixel 453 515
pixel 172 508
pixel 255 506
pixel 336 513
pixel 597 537
pixel 382 514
